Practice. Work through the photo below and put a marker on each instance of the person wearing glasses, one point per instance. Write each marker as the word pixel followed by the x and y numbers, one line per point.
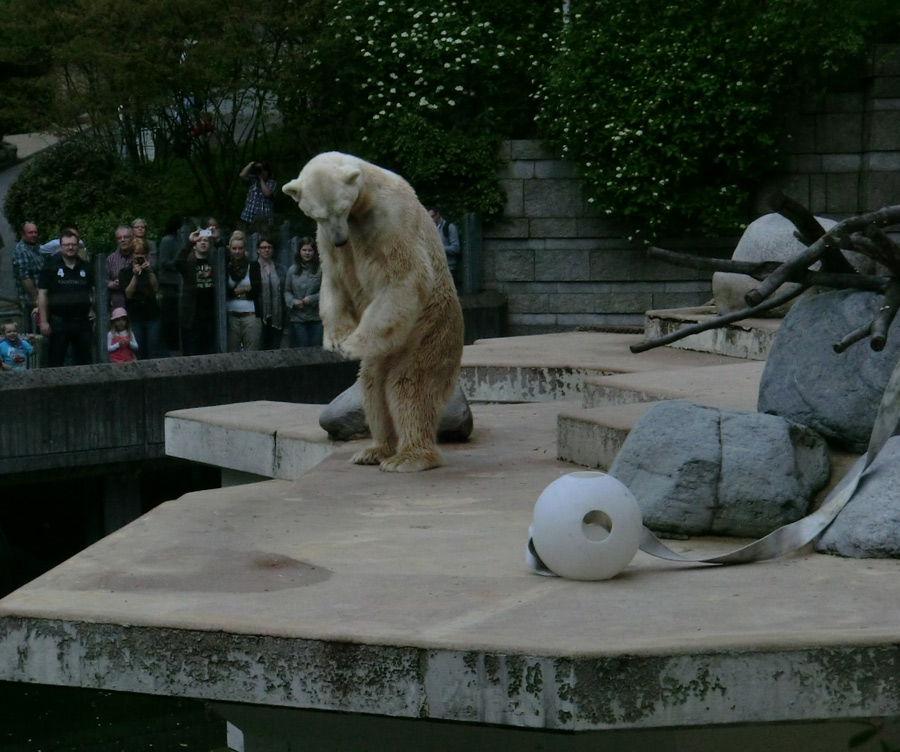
pixel 66 303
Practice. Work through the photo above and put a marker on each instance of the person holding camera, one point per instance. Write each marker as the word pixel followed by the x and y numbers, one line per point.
pixel 261 187
pixel 116 262
pixel 140 284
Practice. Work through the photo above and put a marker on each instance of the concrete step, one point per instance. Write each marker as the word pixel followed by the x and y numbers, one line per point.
pixel 593 437
pixel 734 386
pixel 612 404
pixel 551 367
pixel 750 338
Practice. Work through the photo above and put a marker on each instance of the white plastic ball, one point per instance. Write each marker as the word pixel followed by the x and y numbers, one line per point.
pixel 587 526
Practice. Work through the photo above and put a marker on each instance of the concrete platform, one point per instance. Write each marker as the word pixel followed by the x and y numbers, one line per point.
pixel 348 589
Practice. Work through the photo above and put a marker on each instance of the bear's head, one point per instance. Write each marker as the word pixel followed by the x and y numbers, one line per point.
pixel 326 190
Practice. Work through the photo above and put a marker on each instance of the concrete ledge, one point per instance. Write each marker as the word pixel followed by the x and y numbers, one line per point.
pixel 732 386
pixel 750 339
pixel 267 439
pixel 544 368
pixel 104 413
pixel 593 437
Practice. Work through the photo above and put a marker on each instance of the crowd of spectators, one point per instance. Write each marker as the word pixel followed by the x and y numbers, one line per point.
pixel 161 299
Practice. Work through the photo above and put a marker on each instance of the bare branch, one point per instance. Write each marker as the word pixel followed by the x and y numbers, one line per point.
pixel 793 270
pixel 810 230
pixel 884 250
pixel 851 339
pixel 760 270
pixel 715 323
pixel 885 316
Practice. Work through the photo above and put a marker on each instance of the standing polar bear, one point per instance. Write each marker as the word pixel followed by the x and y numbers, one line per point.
pixel 388 299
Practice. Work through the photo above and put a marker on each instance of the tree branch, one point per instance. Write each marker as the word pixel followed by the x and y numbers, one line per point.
pixel 715 323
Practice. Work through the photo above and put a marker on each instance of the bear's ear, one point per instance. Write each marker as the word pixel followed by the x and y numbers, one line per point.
pixel 350 174
pixel 292 189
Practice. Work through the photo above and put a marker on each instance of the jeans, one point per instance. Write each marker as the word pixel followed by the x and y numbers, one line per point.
pixel 149 338
pixel 306 334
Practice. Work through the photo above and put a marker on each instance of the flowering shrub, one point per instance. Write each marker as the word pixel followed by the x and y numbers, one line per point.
pixel 672 111
pixel 426 90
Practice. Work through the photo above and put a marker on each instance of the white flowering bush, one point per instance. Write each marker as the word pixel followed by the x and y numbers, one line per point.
pixel 672 111
pixel 427 89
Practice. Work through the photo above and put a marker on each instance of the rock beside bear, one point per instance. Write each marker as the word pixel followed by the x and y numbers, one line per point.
pixel 344 419
pixel 387 299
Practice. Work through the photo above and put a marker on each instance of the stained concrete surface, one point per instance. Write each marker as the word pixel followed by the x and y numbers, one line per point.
pixel 407 595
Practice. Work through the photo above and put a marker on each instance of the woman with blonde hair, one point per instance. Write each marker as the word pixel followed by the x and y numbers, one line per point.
pixel 241 298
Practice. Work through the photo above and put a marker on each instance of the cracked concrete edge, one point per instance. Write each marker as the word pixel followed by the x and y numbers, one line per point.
pixel 571 693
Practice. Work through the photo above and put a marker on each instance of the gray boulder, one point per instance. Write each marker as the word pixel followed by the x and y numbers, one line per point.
pixel 344 418
pixel 805 381
pixel 700 471
pixel 769 238
pixel 869 526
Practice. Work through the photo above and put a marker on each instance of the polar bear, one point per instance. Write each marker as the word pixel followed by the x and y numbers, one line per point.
pixel 388 299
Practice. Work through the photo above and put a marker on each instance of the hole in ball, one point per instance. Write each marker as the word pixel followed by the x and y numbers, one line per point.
pixel 596 525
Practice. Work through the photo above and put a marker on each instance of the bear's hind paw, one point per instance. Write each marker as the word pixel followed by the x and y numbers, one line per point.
pixel 412 463
pixel 372 456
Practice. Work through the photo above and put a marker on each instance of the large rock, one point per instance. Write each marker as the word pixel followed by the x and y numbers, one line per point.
pixel 805 381
pixel 869 526
pixel 769 238
pixel 699 470
pixel 344 418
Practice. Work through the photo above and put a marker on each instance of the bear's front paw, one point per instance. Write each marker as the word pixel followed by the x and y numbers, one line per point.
pixel 354 347
pixel 329 343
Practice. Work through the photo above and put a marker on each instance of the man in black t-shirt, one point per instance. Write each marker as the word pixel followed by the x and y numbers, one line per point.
pixel 66 303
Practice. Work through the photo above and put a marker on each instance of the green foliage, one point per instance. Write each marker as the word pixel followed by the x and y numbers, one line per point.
pixel 671 111
pixel 163 81
pixel 25 88
pixel 77 181
pixel 428 93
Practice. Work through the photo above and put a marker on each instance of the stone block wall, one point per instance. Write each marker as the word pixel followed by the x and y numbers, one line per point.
pixel 843 152
pixel 563 266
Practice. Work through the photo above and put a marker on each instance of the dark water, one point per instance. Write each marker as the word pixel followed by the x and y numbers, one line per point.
pixel 64 513
pixel 52 719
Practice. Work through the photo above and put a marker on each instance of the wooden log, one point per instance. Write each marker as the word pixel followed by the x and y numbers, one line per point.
pixel 810 230
pixel 885 316
pixel 760 270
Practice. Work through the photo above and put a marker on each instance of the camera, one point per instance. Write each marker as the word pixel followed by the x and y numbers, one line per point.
pixel 205 233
